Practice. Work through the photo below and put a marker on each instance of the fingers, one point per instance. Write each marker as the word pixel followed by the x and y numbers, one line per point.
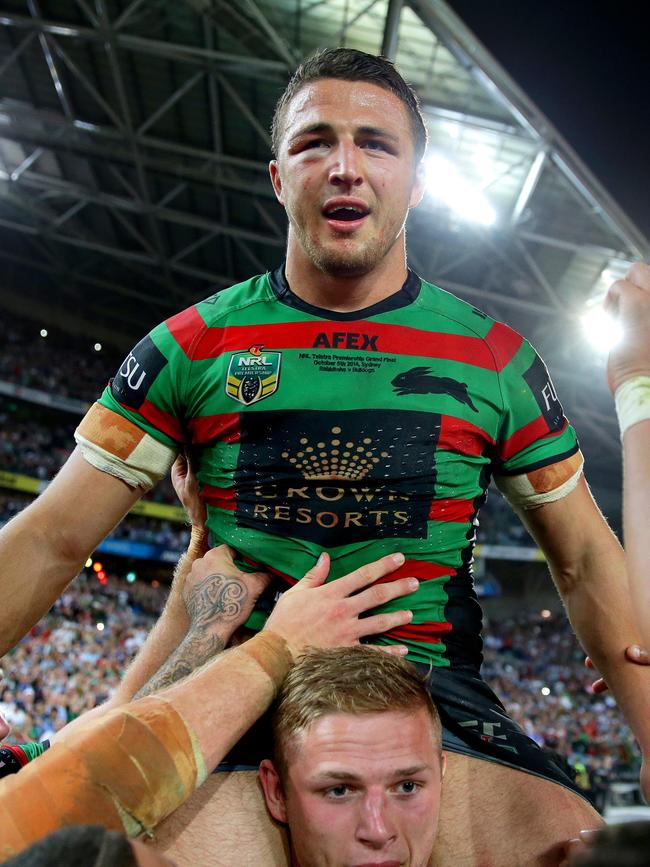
pixel 317 575
pixel 639 274
pixel 378 595
pixel 599 686
pixel 368 574
pixel 637 654
pixel 379 623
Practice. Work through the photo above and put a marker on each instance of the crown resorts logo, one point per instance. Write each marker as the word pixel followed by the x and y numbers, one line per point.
pixel 338 459
pixel 336 477
pixel 253 375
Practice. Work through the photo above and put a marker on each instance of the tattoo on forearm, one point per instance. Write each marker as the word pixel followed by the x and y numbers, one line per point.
pixel 215 606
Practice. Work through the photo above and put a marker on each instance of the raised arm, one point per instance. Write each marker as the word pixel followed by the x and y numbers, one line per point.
pixel 629 380
pixel 47 544
pixel 588 567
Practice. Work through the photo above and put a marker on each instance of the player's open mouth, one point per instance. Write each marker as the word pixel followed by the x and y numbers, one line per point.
pixel 345 215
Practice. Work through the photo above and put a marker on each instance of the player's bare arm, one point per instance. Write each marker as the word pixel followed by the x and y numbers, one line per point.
pixel 46 545
pixel 588 567
pixel 629 380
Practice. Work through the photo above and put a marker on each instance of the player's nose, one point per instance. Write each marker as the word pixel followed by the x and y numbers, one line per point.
pixel 375 828
pixel 346 168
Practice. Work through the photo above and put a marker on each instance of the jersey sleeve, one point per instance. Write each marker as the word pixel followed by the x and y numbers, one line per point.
pixel 534 432
pixel 150 387
pixel 136 428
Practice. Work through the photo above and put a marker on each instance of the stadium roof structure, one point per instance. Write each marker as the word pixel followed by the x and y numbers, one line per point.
pixel 133 171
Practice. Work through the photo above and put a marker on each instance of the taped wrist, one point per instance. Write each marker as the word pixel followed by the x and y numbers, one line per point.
pixel 632 400
pixel 116 446
pixel 198 545
pixel 127 771
pixel 272 653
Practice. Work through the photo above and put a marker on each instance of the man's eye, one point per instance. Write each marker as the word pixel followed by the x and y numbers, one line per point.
pixel 317 143
pixel 407 787
pixel 375 145
pixel 337 791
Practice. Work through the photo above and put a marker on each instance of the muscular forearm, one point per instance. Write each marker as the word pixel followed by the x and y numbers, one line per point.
pixel 636 518
pixel 599 607
pixel 168 633
pixel 32 577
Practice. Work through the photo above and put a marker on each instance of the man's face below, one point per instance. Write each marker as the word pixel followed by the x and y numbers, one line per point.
pixel 345 174
pixel 364 791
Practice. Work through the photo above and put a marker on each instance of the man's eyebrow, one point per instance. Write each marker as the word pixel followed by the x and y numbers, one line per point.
pixel 327 127
pixel 378 131
pixel 311 128
pixel 351 777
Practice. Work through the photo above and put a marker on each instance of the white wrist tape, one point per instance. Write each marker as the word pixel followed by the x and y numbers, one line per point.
pixel 632 402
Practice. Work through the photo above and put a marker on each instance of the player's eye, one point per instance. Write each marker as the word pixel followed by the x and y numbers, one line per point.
pixel 338 791
pixel 408 787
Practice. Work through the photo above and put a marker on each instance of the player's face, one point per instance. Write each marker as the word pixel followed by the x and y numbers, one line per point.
pixel 362 791
pixel 346 175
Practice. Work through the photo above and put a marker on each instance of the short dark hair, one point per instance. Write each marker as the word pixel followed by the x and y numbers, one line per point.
pixel 348 64
pixel 353 680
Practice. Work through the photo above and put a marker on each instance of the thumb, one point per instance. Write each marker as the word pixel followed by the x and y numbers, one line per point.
pixel 318 573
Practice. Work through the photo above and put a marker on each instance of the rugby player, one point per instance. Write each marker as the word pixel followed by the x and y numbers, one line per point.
pixel 341 403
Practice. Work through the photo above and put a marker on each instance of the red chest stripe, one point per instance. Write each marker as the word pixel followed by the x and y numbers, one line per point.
pixel 504 343
pixel 393 339
pixel 222 498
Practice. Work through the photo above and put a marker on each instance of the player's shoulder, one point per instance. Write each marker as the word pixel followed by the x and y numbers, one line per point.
pixel 226 302
pixel 467 318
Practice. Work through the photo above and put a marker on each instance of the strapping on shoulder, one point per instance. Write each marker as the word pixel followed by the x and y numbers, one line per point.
pixel 116 446
pixel 543 485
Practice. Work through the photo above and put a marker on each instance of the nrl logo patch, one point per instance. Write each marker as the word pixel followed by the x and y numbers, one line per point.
pixel 253 375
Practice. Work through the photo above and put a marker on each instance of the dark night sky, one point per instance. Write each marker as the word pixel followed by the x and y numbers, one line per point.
pixel 586 64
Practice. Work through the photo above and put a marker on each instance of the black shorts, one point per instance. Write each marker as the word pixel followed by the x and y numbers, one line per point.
pixel 474 724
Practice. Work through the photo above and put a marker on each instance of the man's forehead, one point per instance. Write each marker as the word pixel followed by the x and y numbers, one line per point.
pixel 328 99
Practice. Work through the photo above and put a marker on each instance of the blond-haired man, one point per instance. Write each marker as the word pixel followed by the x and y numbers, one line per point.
pixel 357 761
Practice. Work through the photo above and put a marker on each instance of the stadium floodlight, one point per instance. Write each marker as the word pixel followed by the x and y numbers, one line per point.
pixel 43 332
pixel 601 329
pixel 97 347
pixel 446 184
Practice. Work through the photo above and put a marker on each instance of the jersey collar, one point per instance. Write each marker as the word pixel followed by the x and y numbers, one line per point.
pixel 402 298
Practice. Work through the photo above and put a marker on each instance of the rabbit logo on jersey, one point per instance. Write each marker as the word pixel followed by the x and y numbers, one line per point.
pixel 253 375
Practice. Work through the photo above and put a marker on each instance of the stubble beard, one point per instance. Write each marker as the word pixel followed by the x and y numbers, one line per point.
pixel 342 263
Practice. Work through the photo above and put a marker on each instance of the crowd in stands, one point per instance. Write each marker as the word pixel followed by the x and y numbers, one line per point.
pixel 54 364
pixel 536 666
pixel 74 658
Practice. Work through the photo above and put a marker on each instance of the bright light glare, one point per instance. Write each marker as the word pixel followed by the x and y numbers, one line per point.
pixel 98 347
pixel 601 329
pixel 89 562
pixel 545 613
pixel 100 627
pixel 545 690
pixel 446 184
pixel 43 332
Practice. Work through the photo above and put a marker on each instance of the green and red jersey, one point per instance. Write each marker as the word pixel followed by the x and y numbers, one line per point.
pixel 357 433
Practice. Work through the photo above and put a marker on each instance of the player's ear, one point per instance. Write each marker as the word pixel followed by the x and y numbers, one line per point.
pixel 273 790
pixel 419 185
pixel 443 764
pixel 276 180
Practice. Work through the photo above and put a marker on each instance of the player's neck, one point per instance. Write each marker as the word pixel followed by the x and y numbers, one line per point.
pixel 346 294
